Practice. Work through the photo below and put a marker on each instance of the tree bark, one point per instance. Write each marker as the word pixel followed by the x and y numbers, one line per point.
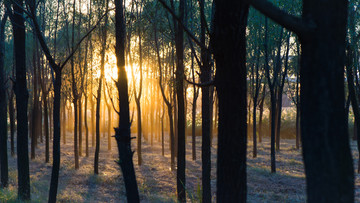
pixel 122 133
pixel 322 101
pixel 229 45
pixel 22 97
pixel 3 109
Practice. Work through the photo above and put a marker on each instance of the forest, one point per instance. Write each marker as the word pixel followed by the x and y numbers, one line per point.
pixel 179 101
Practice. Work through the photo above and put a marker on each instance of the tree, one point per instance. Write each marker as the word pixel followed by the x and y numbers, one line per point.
pixel 229 46
pixel 166 101
pixel 3 108
pixel 57 68
pixel 179 45
pixel 137 96
pixel 205 76
pixel 122 133
pixel 75 92
pixel 98 98
pixel 322 35
pixel 22 95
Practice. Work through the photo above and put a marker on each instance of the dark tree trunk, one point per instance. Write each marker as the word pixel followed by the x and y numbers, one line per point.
pixel 76 148
pixel 297 105
pixel 3 109
pixel 63 115
pixel 86 127
pixel 230 54
pixel 272 100
pixel 97 143
pixel 22 97
pixel 322 106
pixel 162 134
pixel 193 113
pixel 35 107
pixel 93 125
pixel 75 94
pixel 56 139
pixel 46 123
pixel 80 125
pixel 179 44
pixel 139 131
pixel 167 102
pixel 122 133
pixel 254 130
pixel 205 76
pixel 12 122
pixel 138 96
pixel 256 89
pixel 277 91
pixel 109 126
pixel 98 98
pixel 322 35
pixel 261 111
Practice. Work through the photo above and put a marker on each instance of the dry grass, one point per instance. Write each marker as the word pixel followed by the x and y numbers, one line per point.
pixel 155 180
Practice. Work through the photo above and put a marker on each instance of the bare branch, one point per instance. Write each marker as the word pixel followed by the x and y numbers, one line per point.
pixel 85 36
pixel 188 32
pixel 205 84
pixel 111 99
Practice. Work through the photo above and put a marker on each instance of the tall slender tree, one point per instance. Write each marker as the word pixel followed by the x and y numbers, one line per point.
pixel 3 107
pixel 122 133
pixel 22 95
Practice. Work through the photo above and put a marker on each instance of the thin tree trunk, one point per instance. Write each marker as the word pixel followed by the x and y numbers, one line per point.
pixel 86 127
pixel 98 98
pixel 46 123
pixel 80 126
pixel 12 123
pixel 3 109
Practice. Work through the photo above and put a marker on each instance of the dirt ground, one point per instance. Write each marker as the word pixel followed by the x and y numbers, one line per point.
pixel 157 183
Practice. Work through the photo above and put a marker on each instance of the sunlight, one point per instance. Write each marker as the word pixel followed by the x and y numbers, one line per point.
pixel 111 72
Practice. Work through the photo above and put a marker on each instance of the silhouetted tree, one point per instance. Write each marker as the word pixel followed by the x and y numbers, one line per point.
pixel 229 46
pixel 3 108
pixel 22 95
pixel 122 133
pixel 321 32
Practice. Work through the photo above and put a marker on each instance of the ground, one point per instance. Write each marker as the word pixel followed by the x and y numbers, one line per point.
pixel 157 183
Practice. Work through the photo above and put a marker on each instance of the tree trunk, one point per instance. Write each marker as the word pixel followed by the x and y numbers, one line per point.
pixel 56 139
pixel 122 133
pixel 322 101
pixel 322 106
pixel 205 76
pixel 86 127
pixel 80 126
pixel 76 148
pixel 139 138
pixel 98 98
pixel 3 109
pixel 22 97
pixel 109 127
pixel 261 111
pixel 179 44
pixel 230 55
pixel 46 123
pixel 12 122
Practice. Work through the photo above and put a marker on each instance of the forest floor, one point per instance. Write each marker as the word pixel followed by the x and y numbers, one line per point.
pixel 157 183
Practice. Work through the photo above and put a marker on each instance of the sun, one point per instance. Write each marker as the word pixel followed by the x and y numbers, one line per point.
pixel 111 72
